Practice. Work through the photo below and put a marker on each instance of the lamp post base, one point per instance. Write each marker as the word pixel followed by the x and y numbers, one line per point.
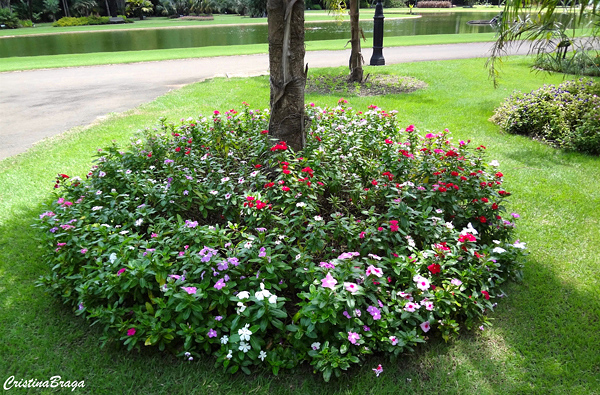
pixel 377 58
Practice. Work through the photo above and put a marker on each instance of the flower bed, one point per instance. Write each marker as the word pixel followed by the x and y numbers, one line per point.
pixel 208 238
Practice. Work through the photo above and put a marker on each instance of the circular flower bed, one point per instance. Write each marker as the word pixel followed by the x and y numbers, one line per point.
pixel 208 238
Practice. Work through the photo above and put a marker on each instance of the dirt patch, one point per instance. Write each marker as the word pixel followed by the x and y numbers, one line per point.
pixel 372 85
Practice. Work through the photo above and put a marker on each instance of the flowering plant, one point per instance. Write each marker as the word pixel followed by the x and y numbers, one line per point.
pixel 208 237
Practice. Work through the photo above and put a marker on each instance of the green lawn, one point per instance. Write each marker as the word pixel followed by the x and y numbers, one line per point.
pixel 546 334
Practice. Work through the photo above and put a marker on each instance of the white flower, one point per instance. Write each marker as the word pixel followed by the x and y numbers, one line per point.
pixel 139 222
pixel 519 245
pixel 214 192
pixel 112 258
pixel 241 308
pixel 224 179
pixel 248 245
pixel 243 295
pixel 394 340
pixel 241 180
pixel 224 339
pixel 273 299
pixel 98 192
pixel 245 347
pixel 499 250
pixel 96 208
pixel 315 345
pixel 496 241
pixel 469 229
pixel 494 163
pixel 253 174
pixel 245 333
pixel 123 232
pixel 229 355
pixel 227 196
pixel 318 218
pixel 262 355
pixel 449 225
pixel 300 204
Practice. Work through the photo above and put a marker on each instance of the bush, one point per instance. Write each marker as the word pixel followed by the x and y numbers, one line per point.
pixel 26 23
pixel 434 4
pixel 8 19
pixel 83 21
pixel 581 63
pixel 565 115
pixel 395 4
pixel 208 238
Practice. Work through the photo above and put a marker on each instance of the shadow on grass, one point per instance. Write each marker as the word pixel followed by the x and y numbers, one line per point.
pixel 545 340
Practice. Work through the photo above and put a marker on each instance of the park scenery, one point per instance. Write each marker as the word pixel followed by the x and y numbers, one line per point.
pixel 409 228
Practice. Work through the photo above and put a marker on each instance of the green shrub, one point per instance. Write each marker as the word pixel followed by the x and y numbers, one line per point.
pixel 395 4
pixel 580 63
pixel 83 21
pixel 26 23
pixel 434 4
pixel 564 115
pixel 209 238
pixel 8 19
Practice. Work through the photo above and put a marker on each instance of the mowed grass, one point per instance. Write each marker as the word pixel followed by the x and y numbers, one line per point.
pixel 546 334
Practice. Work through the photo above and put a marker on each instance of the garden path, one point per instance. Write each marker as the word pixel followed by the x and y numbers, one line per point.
pixel 39 104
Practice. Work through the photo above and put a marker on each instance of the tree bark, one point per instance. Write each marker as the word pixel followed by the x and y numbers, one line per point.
pixel 356 59
pixel 287 73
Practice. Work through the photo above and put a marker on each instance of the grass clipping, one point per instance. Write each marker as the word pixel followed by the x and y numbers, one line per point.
pixel 372 85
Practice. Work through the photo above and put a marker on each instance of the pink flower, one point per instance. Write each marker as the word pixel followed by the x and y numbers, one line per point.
pixel 362 235
pixel 422 283
pixel 428 306
pixel 131 332
pixel 84 250
pixel 374 311
pixel 394 340
pixel 425 326
pixel 190 290
pixel 154 235
pixel 374 271
pixel 212 333
pixel 353 337
pixel 328 281
pixel 486 294
pixel 378 370
pixel 121 271
pixel 351 287
pixel 410 128
pixel 394 226
pixel 411 307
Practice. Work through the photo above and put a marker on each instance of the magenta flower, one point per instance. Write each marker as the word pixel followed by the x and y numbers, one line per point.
pixel 394 226
pixel 328 281
pixel 374 271
pixel 425 326
pixel 347 315
pixel 131 332
pixel 190 290
pixel 212 333
pixel 378 370
pixel 375 312
pixel 121 271
pixel 411 307
pixel 353 337
pixel 84 250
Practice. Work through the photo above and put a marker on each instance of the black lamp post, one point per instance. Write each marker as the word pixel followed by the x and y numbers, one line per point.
pixel 377 57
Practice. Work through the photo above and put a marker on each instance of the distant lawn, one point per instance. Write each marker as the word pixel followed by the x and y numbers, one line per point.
pixel 546 334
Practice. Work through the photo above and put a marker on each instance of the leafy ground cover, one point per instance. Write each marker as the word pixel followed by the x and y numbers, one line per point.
pixel 544 334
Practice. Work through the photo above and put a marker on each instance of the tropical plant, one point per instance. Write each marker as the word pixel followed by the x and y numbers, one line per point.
pixel 550 26
pixel 52 8
pixel 138 8
pixel 84 7
pixel 8 19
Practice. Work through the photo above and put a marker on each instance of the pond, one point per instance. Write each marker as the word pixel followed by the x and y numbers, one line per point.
pixel 146 39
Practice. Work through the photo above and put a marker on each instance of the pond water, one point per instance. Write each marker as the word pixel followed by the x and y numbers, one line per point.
pixel 138 40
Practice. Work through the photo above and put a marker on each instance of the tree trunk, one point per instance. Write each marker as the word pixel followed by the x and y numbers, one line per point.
pixel 287 73
pixel 356 59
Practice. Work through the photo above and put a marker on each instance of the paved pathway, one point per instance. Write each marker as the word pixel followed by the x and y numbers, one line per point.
pixel 41 103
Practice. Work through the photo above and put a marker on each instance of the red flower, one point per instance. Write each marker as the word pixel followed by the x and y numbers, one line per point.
pixel 257 166
pixel 442 189
pixel 499 174
pixel 317 137
pixel 394 226
pixel 454 173
pixel 308 170
pixel 286 171
pixel 434 268
pixel 482 219
pixel 466 237
pixel 389 175
pixel 494 206
pixel 485 200
pixel 150 155
pixel 249 198
pixel 63 175
pixel 486 294
pixel 282 145
pixel 388 141
pixel 374 182
pixel 269 184
pixel 410 128
pixel 285 189
pixel 264 132
pixel 177 149
pixel 260 205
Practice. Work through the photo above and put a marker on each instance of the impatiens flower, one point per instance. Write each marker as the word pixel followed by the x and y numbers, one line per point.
pixel 139 222
pixel 411 307
pixel 428 306
pixel 315 346
pixel 456 281
pixel 224 339
pixel 486 294
pixel 121 271
pixel 374 271
pixel 84 250
pixel 394 226
pixel 481 327
pixel 434 268
pixel 375 312
pixel 425 326
pixel 131 332
pixel 245 347
pixel 351 287
pixel 422 283
pixel 262 355
pixel 366 328
pixel 243 295
pixel 262 252
pixel 346 314
pixel 218 318
pixel 519 245
pixel 229 355
pixel 394 340
pixel 212 333
pixel 273 299
pixel 498 250
pixel 190 290
pixel 245 333
pixel 328 281
pixel 378 370
pixel 353 337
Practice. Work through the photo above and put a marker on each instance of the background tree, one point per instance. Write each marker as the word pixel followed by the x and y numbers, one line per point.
pixel 549 29
pixel 84 7
pixel 287 73
pixel 138 8
pixel 52 7
pixel 356 58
